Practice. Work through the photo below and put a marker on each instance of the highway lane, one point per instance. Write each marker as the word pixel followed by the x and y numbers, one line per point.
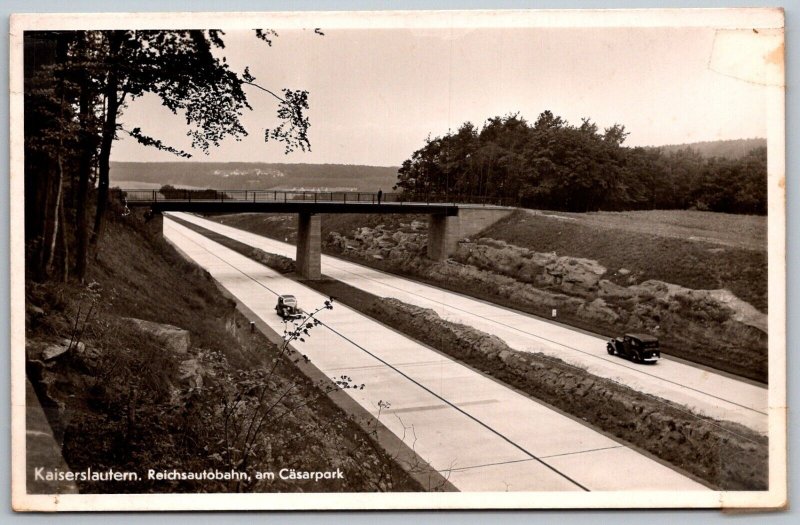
pixel 481 435
pixel 699 389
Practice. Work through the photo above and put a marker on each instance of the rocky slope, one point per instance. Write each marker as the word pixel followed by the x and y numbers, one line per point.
pixel 713 327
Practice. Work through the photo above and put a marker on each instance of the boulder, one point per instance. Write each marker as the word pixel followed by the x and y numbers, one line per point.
pixel 743 312
pixel 48 351
pixel 34 311
pixel 598 310
pixel 55 350
pixel 191 373
pixel 492 243
pixel 575 274
pixel 174 339
pixel 607 288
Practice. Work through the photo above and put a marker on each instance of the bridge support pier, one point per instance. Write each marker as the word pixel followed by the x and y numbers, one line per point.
pixel 309 244
pixel 443 234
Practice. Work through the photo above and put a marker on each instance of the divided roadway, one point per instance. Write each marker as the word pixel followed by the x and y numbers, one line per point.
pixel 701 390
pixel 482 436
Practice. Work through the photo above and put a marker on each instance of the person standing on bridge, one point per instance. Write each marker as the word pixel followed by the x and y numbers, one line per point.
pixel 380 194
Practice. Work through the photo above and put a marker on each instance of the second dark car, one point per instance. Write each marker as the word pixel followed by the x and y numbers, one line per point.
pixel 639 348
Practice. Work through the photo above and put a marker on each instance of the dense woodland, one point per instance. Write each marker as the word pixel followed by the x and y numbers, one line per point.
pixel 553 164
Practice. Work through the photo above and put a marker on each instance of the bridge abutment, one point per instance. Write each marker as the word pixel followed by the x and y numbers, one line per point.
pixel 445 231
pixel 443 235
pixel 309 244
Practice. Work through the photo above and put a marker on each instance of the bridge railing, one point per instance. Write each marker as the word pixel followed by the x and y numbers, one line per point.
pixel 211 195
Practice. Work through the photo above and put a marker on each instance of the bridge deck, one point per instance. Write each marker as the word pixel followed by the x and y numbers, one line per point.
pixel 298 201
pixel 216 206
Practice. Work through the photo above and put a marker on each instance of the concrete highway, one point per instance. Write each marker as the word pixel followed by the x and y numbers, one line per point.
pixel 699 389
pixel 481 435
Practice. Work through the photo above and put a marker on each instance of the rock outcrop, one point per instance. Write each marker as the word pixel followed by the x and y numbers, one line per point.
pixel 175 339
pixel 381 243
pixel 691 321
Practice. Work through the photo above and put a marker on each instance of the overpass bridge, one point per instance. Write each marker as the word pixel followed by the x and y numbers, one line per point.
pixel 450 218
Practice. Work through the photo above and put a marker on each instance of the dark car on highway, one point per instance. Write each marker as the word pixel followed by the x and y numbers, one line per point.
pixel 639 348
pixel 287 308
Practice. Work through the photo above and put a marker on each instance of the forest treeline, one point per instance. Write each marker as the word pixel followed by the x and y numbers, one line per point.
pixel 552 164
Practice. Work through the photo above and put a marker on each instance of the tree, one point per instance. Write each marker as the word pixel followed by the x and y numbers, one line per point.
pixel 555 165
pixel 99 72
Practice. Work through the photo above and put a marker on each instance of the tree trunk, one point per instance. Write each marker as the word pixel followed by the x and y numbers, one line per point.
pixel 84 170
pixel 46 188
pixel 109 132
pixel 58 211
pixel 52 208
pixel 64 243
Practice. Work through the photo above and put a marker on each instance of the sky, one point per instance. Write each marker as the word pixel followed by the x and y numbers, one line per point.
pixel 376 94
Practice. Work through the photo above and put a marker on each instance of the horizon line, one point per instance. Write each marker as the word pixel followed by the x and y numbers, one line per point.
pixel 197 161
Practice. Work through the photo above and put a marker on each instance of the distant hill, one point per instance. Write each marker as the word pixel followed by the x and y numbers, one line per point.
pixel 254 175
pixel 731 149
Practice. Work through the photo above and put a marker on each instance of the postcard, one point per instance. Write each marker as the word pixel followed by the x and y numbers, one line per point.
pixel 398 260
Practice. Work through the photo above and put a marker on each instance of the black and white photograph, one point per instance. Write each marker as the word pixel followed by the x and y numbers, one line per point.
pixel 398 260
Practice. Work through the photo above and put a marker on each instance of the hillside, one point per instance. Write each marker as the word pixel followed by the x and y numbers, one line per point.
pixel 254 175
pixel 132 393
pixel 729 149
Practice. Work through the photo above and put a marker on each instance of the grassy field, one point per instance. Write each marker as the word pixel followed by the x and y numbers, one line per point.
pixel 700 250
pixel 737 231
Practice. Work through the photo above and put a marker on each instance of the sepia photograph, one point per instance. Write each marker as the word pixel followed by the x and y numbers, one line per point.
pixel 398 260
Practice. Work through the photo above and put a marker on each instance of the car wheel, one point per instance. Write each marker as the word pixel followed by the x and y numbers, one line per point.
pixel 637 358
pixel 610 349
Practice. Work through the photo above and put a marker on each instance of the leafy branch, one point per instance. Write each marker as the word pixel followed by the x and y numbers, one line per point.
pixel 146 140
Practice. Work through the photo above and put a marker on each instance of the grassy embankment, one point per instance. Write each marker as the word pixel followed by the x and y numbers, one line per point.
pixel 231 401
pixel 727 456
pixel 696 250
pixel 700 250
